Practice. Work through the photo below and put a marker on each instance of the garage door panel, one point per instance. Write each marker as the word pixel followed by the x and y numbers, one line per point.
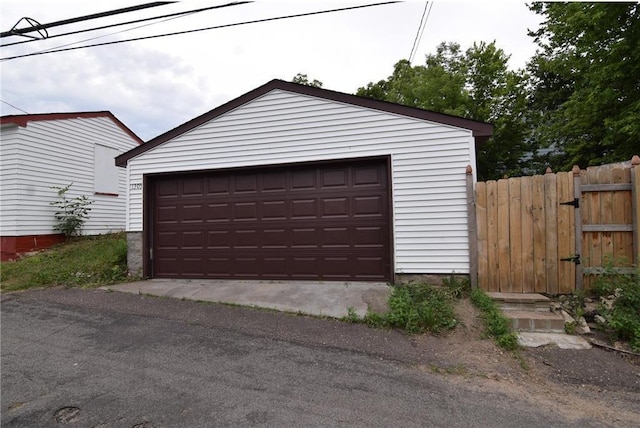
pixel 191 213
pixel 193 240
pixel 366 206
pixel 245 211
pixel 275 238
pixel 245 183
pixel 334 207
pixel 246 267
pixel 167 189
pixel 274 210
pixel 304 209
pixel 304 222
pixel 332 178
pixel 245 238
pixel 218 185
pixel 193 187
pixel 218 239
pixel 335 237
pixel 368 176
pixel 304 237
pixel 218 267
pixel 275 267
pixel 274 182
pixel 218 212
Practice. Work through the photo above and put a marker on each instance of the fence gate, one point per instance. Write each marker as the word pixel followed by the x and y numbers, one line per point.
pixel 606 221
pixel 553 233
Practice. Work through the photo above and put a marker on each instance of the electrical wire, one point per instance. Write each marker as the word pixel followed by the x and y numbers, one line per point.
pixel 202 29
pixel 170 17
pixel 11 105
pixel 420 32
pixel 20 31
pixel 176 15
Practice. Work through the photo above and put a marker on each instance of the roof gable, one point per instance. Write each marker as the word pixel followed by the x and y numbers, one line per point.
pixel 480 130
pixel 22 119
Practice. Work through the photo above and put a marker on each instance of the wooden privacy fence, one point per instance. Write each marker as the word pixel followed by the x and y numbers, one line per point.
pixel 553 233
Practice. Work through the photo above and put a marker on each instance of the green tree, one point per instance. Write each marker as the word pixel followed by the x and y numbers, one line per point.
pixel 475 84
pixel 302 79
pixel 586 82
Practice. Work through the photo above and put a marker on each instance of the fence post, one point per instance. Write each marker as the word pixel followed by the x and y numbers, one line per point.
pixel 472 225
pixel 635 207
pixel 577 194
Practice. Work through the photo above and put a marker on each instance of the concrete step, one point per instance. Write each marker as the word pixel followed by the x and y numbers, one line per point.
pixel 535 321
pixel 521 301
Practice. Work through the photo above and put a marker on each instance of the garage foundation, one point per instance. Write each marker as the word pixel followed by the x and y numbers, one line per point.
pixel 134 253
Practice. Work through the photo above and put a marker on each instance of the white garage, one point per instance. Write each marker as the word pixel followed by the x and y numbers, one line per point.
pixel 295 182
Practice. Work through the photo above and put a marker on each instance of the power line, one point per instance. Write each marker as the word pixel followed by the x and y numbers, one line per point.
pixel 203 29
pixel 420 32
pixel 176 15
pixel 17 108
pixel 18 31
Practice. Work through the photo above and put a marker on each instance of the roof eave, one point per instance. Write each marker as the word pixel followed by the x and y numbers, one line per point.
pixel 480 130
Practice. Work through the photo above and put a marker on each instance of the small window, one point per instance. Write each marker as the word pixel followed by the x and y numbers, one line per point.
pixel 105 170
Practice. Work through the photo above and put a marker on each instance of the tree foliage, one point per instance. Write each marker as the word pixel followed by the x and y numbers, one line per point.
pixel 586 81
pixel 475 84
pixel 302 79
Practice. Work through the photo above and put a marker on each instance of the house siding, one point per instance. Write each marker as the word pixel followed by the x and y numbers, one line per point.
pixel 56 153
pixel 428 163
pixel 8 178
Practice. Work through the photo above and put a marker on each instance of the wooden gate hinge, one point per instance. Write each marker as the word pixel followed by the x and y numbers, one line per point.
pixel 575 203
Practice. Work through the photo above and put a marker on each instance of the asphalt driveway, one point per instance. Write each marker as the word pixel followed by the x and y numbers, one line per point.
pixel 93 358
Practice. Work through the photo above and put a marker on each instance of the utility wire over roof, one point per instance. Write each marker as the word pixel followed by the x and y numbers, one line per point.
pixel 204 29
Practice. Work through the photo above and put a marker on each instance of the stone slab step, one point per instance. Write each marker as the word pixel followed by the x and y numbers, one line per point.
pixel 544 322
pixel 521 301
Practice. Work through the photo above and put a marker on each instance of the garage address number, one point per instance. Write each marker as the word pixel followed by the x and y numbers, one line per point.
pixel 135 186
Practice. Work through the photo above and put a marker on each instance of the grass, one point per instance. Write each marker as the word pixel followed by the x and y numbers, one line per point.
pixel 496 324
pixel 89 261
pixel 418 307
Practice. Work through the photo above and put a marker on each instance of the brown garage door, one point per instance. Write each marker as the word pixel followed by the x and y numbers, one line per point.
pixel 320 222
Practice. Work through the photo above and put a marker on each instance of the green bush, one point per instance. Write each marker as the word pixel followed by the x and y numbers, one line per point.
pixel 624 317
pixel 72 213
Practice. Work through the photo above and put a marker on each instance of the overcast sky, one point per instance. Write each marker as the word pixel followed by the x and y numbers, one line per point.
pixel 155 85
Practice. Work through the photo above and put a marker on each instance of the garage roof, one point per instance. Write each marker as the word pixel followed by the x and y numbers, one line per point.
pixel 22 119
pixel 481 130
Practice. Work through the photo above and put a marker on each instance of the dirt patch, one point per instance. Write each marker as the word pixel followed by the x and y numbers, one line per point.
pixel 594 384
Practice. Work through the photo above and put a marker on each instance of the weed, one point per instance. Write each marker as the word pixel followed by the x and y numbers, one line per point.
pixel 351 316
pixel 417 307
pixel 459 369
pixel 570 327
pixel 72 213
pixel 624 316
pixel 496 324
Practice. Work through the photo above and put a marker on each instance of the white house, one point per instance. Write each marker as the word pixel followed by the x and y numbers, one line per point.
pixel 296 182
pixel 41 151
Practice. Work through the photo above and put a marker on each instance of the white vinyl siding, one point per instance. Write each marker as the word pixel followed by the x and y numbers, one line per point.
pixel 428 164
pixel 9 144
pixel 56 153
